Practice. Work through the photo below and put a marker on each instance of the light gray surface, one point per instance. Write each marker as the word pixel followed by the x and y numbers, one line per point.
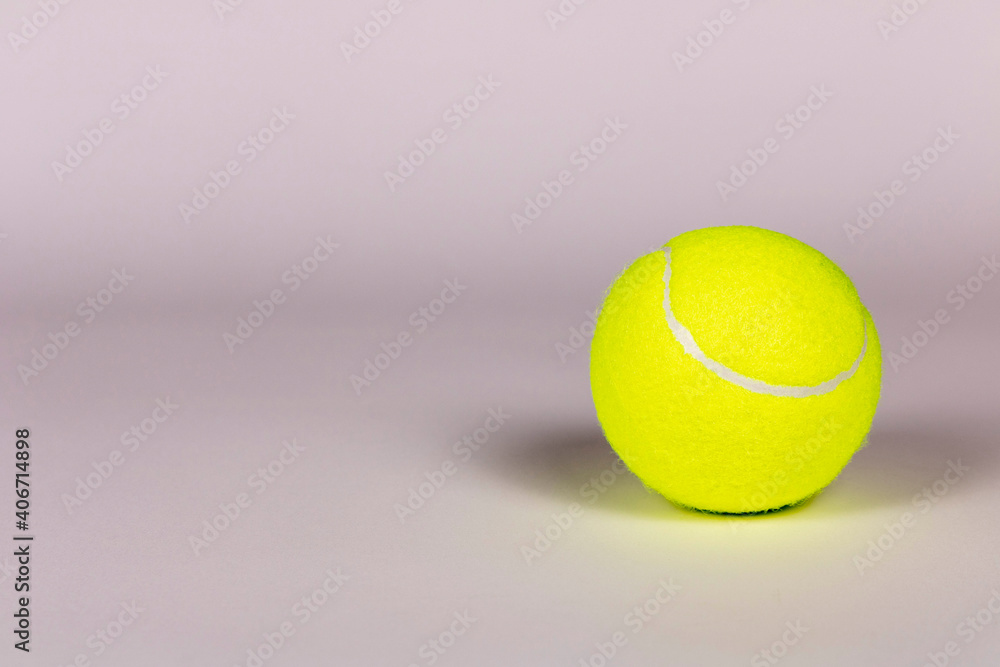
pixel 522 301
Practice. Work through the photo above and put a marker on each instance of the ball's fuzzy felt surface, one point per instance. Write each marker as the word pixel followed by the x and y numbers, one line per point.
pixel 735 370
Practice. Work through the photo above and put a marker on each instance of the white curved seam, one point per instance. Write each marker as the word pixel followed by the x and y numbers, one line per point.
pixel 687 341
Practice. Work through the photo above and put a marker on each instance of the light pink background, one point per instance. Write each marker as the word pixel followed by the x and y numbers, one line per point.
pixel 502 342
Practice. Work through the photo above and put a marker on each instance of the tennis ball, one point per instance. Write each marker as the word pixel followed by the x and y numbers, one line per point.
pixel 735 370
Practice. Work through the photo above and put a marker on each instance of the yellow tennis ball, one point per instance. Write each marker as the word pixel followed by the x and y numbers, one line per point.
pixel 735 370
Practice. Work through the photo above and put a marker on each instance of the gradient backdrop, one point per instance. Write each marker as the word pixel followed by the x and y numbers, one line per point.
pixel 297 299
